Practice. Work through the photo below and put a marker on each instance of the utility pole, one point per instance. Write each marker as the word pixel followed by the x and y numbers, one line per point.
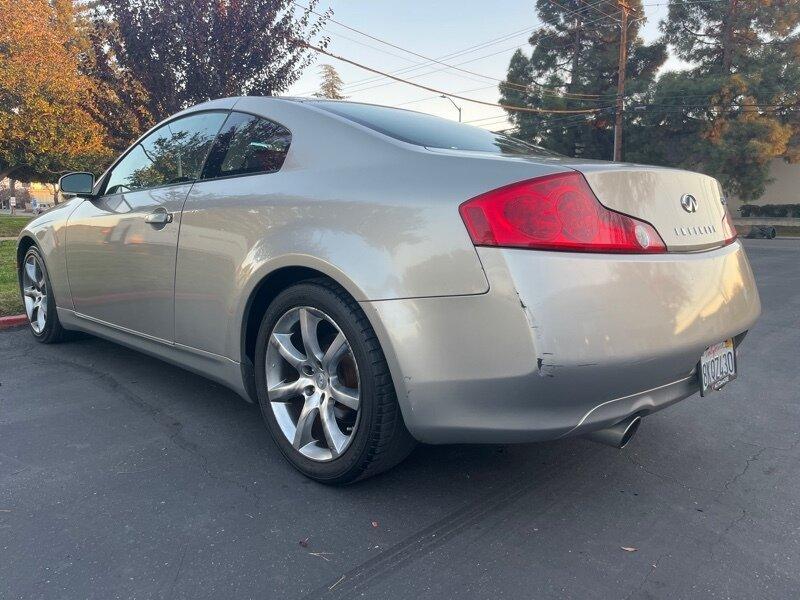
pixel 623 62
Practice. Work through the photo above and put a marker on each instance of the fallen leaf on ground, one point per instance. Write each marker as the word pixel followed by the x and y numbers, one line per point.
pixel 374 523
pixel 304 542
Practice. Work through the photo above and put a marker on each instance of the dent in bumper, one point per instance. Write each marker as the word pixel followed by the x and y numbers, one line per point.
pixel 558 337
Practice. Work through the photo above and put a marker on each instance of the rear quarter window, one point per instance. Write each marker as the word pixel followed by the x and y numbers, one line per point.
pixel 429 131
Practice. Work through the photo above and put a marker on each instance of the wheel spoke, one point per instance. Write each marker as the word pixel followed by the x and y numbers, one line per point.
pixel 29 292
pixel 334 437
pixel 344 395
pixel 337 348
pixel 30 271
pixel 287 349
pixel 284 391
pixel 40 317
pixel 302 435
pixel 39 276
pixel 308 331
pixel 29 302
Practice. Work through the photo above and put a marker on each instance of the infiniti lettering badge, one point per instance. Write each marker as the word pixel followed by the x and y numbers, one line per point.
pixel 689 203
pixel 695 230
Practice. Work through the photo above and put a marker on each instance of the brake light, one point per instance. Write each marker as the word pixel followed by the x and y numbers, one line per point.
pixel 555 212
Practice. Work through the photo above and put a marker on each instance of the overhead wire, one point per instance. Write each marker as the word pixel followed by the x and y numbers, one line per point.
pixel 439 91
pixel 455 67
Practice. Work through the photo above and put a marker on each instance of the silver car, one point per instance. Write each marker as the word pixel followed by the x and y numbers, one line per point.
pixel 374 277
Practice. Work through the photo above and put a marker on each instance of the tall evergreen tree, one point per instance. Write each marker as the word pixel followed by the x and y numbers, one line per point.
pixel 574 64
pixel 331 84
pixel 738 107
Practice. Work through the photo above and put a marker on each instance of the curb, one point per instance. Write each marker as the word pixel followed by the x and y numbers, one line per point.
pixel 13 321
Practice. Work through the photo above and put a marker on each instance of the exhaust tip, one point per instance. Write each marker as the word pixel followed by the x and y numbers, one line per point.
pixel 617 436
pixel 630 431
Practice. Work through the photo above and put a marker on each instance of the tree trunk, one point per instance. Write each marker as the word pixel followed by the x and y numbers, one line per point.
pixel 6 171
pixel 573 77
pixel 576 53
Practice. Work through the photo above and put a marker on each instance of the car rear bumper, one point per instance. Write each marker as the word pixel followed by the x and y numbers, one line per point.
pixel 562 343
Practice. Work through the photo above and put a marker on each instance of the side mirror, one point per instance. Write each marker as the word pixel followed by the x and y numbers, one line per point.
pixel 77 184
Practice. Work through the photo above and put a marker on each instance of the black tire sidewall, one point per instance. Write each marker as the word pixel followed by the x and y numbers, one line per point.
pixel 352 462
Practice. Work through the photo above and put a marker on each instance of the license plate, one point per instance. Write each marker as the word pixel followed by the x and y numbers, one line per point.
pixel 717 366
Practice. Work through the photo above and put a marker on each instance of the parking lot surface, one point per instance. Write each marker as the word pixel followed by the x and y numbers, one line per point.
pixel 124 477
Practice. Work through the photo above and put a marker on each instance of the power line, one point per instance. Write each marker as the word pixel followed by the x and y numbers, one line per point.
pixel 594 6
pixel 360 43
pixel 452 95
pixel 447 65
pixel 487 87
pixel 555 92
pixel 573 12
pixel 455 54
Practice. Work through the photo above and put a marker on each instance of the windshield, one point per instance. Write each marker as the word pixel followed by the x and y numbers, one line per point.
pixel 429 131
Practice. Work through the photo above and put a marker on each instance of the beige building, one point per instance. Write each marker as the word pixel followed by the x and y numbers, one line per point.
pixel 784 189
pixel 42 192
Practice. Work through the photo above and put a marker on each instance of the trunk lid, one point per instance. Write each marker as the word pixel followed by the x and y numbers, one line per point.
pixel 663 198
pixel 648 193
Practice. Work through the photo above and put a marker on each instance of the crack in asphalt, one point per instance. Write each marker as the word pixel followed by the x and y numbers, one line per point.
pixel 668 478
pixel 748 462
pixel 733 523
pixel 653 567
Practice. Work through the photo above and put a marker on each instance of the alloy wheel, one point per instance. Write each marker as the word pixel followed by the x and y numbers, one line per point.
pixel 313 383
pixel 34 291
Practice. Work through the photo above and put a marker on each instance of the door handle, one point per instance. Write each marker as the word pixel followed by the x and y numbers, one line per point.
pixel 158 217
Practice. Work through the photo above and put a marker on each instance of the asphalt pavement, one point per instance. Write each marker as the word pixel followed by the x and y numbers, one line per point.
pixel 124 477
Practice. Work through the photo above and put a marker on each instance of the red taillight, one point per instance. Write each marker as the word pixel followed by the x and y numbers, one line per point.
pixel 555 212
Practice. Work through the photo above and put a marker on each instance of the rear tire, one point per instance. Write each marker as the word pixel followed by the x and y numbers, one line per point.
pixel 337 444
pixel 38 298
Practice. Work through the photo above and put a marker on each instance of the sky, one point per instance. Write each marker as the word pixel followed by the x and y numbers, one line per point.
pixel 436 28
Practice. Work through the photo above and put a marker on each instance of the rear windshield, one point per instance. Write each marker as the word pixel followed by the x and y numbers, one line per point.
pixel 426 130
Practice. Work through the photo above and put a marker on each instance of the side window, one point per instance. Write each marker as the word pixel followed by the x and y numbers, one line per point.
pixel 248 144
pixel 173 153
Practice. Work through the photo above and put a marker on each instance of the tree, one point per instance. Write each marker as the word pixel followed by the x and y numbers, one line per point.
pixel 45 127
pixel 183 52
pixel 331 84
pixel 573 65
pixel 736 109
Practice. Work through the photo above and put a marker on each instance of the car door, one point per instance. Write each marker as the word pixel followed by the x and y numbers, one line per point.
pixel 121 245
pixel 227 212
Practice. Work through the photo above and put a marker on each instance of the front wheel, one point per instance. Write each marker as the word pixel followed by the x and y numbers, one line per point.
pixel 324 386
pixel 37 295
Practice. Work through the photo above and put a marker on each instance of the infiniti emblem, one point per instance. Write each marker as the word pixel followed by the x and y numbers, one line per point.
pixel 689 203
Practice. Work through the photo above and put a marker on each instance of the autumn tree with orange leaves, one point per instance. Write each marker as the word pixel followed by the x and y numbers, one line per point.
pixel 45 122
